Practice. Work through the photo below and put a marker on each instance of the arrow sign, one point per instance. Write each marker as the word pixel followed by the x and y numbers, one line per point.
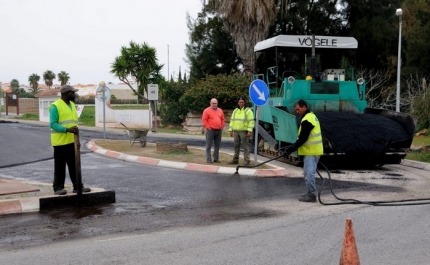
pixel 258 92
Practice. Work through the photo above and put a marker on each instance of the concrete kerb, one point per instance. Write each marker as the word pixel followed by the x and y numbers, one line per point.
pixel 277 171
pixel 416 164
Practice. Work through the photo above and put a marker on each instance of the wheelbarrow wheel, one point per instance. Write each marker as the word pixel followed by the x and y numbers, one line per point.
pixel 143 143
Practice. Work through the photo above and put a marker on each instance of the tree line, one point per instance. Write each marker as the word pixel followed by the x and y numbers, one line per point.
pixel 223 36
pixel 224 33
pixel 33 79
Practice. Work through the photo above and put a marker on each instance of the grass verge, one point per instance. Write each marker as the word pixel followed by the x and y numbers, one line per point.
pixel 193 155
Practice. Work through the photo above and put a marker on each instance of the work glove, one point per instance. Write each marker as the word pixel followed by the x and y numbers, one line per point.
pixel 286 151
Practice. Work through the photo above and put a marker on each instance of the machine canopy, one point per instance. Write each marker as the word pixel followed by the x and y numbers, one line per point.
pixel 305 41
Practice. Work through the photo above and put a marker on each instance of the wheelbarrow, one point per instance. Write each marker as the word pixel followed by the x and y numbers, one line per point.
pixel 136 136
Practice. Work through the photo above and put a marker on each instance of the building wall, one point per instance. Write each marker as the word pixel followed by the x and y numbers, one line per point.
pixel 44 103
pixel 109 117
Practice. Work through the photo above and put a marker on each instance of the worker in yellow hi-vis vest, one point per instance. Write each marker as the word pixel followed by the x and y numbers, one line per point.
pixel 241 126
pixel 64 124
pixel 309 145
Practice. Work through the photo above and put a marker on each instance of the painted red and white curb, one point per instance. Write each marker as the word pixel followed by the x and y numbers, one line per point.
pixel 275 172
pixel 21 205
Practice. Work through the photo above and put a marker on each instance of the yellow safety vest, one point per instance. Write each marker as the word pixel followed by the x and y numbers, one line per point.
pixel 66 117
pixel 241 120
pixel 313 146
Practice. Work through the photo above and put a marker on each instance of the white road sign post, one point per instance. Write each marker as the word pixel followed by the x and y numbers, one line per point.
pixel 153 95
pixel 102 93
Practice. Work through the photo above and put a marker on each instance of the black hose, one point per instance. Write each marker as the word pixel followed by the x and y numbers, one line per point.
pixel 251 166
pixel 372 203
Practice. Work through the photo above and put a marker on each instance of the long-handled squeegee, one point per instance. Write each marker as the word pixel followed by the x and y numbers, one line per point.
pixel 93 198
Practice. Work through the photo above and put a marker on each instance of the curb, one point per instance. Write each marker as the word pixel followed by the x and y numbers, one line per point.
pixel 276 172
pixel 416 164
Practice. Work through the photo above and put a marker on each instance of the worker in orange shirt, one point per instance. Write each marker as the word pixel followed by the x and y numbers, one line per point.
pixel 213 121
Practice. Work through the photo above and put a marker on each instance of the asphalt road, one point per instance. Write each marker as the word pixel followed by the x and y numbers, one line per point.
pixel 169 216
pixel 30 142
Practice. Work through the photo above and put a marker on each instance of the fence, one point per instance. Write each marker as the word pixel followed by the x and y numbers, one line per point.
pixel 26 105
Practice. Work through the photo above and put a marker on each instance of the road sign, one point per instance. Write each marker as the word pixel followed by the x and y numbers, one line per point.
pixel 152 92
pixel 99 93
pixel 258 92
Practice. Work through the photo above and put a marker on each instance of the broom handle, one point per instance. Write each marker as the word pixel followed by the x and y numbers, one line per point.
pixel 78 165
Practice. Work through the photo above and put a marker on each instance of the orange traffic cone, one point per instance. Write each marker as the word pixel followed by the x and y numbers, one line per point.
pixel 349 255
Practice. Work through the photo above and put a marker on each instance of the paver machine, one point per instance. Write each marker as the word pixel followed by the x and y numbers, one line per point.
pixel 352 132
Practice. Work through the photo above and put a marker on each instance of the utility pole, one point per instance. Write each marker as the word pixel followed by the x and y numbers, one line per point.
pixel 168 72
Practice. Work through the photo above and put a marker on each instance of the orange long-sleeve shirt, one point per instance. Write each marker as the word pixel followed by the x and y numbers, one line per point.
pixel 213 118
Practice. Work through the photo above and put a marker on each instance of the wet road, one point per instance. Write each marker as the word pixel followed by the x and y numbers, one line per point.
pixel 148 197
pixel 170 216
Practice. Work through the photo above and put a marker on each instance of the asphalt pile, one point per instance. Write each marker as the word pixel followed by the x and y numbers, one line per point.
pixel 367 133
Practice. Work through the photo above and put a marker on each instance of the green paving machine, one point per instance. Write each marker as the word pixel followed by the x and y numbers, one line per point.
pixel 302 67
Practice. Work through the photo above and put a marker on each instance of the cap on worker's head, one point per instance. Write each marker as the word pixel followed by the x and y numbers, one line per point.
pixel 67 88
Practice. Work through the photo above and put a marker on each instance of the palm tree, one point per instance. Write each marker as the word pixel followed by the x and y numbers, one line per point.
pixel 248 21
pixel 63 77
pixel 48 76
pixel 14 85
pixel 136 62
pixel 34 83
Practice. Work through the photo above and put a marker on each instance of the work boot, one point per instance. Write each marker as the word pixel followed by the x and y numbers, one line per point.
pixel 308 198
pixel 247 163
pixel 83 190
pixel 60 192
pixel 217 161
pixel 233 162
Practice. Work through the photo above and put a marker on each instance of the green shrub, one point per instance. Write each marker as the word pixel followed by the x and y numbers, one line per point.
pixel 420 106
pixel 26 95
pixel 83 100
pixel 172 111
pixel 225 88
pixel 128 101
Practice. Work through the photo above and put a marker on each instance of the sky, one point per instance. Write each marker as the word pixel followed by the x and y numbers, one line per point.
pixel 83 37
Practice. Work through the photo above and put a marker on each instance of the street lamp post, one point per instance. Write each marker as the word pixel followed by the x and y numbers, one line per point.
pixel 399 13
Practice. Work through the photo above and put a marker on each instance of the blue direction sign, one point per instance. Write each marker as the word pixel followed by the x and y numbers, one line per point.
pixel 259 92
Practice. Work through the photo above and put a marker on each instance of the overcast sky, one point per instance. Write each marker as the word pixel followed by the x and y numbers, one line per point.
pixel 83 37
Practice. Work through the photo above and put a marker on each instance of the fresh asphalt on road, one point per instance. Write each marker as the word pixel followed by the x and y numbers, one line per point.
pixel 153 193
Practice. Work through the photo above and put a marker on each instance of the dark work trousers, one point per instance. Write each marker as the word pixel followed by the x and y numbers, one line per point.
pixel 213 136
pixel 240 137
pixel 64 155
